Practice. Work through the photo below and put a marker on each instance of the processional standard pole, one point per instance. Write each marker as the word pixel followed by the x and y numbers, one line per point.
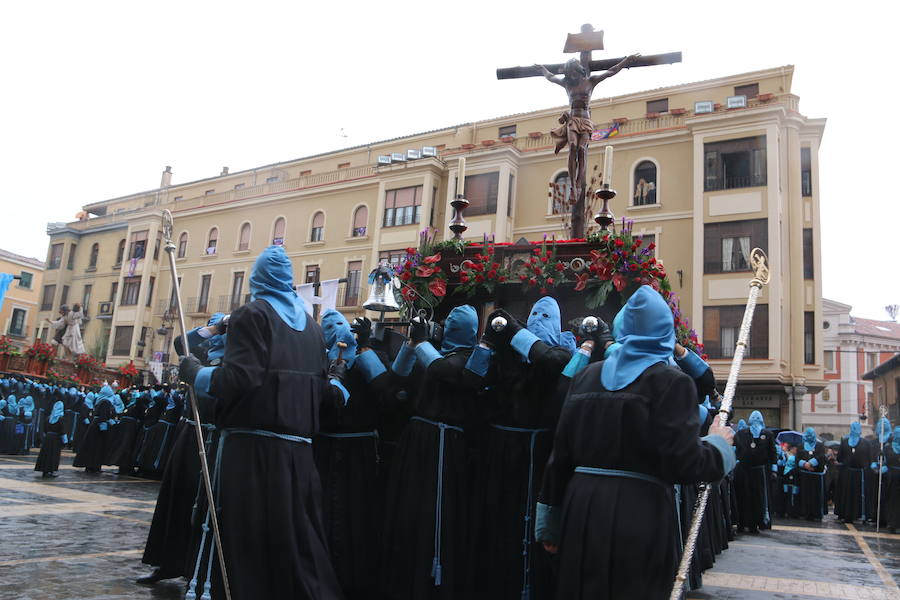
pixel 758 262
pixel 879 435
pixel 198 427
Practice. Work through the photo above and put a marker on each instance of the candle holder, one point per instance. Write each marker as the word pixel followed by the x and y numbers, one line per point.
pixel 605 218
pixel 458 223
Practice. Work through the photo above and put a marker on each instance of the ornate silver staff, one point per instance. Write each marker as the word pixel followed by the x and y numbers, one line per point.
pixel 758 261
pixel 880 466
pixel 167 225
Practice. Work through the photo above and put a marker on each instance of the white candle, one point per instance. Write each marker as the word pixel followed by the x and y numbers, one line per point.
pixel 607 166
pixel 461 176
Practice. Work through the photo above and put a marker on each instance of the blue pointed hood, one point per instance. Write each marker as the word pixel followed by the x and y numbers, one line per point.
pixel 460 329
pixel 757 424
pixel 883 430
pixel 855 434
pixel 12 407
pixel 336 329
pixel 170 401
pixel 89 400
pixel 544 322
pixel 117 403
pixel 895 442
pixel 105 394
pixel 742 424
pixel 647 335
pixel 57 412
pixel 809 439
pixel 27 403
pixel 272 280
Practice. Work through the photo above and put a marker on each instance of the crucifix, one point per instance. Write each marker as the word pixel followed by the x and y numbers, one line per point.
pixel 576 126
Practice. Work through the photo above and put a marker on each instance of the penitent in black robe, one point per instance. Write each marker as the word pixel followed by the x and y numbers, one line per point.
pixel 51 446
pixel 851 503
pixel 125 437
pixel 92 449
pixel 890 509
pixel 270 384
pixel 526 399
pixel 812 483
pixel 751 478
pixel 618 535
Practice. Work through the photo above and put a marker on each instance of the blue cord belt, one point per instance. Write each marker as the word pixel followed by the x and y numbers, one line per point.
pixel 619 473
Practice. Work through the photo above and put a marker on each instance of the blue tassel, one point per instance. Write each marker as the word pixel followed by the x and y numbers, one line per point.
pixel 437 576
pixel 191 593
pixel 206 595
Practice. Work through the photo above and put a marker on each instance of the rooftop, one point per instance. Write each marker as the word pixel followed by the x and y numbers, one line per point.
pixel 6 255
pixel 872 327
pixel 884 368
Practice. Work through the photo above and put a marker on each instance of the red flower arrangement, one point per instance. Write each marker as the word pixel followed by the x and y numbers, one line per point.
pixel 86 361
pixel 7 348
pixel 41 351
pixel 421 276
pixel 128 370
pixel 482 273
pixel 543 271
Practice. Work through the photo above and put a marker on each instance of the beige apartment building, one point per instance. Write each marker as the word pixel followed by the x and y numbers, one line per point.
pixel 710 169
pixel 19 313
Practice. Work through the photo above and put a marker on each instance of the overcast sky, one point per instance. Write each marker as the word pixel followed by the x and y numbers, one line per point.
pixel 98 97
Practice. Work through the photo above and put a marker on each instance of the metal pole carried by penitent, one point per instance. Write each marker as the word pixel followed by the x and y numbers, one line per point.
pixel 879 435
pixel 198 427
pixel 758 261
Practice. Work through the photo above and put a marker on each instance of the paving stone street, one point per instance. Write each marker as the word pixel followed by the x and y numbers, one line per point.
pixel 82 536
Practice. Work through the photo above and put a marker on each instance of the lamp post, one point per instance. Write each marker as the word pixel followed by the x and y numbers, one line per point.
pixel 793 391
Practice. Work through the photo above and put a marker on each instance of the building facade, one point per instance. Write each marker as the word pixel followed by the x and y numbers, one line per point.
pixel 852 347
pixel 709 169
pixel 885 380
pixel 19 313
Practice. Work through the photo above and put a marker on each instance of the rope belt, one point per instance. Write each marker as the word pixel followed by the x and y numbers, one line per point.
pixel 360 434
pixel 764 469
pixel 528 534
pixel 439 501
pixel 204 425
pixel 619 473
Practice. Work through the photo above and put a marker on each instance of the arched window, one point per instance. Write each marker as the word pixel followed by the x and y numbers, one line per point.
pixel 644 183
pixel 278 232
pixel 182 245
pixel 95 251
pixel 120 253
pixel 360 221
pixel 244 238
pixel 213 241
pixel 559 193
pixel 317 233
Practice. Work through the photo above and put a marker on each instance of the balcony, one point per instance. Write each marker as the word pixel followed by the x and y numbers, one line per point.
pixel 227 304
pixel 20 335
pixel 197 306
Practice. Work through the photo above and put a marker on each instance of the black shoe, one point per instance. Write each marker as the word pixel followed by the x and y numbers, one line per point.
pixel 45 474
pixel 156 576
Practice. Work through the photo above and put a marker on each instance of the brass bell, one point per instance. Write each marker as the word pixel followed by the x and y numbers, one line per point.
pixel 381 290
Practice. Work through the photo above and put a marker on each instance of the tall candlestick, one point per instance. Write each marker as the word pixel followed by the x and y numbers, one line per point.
pixel 461 176
pixel 607 166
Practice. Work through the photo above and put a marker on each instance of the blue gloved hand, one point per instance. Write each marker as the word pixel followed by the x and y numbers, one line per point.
pixel 65 439
pixel 87 421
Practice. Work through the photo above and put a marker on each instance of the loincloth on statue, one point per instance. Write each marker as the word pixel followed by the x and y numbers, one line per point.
pixel 574 130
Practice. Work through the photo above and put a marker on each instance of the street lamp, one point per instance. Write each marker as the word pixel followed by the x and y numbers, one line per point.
pixel 794 391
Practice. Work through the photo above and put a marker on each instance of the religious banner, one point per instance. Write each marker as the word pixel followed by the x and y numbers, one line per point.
pixel 602 134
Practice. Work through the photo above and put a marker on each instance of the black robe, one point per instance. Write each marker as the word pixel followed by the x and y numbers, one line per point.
pixel 125 438
pixel 92 449
pixel 424 558
pixel 751 478
pixel 51 447
pixel 270 384
pixel 82 422
pixel 890 509
pixel 812 483
pixel 851 503
pixel 527 396
pixel 152 414
pixel 618 536
pixel 159 439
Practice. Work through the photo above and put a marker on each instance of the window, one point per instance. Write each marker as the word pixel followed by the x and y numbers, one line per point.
pixel 203 300
pixel 306 172
pixel 645 183
pixel 177 198
pixel 150 290
pixel 122 340
pixel 237 286
pixel 826 395
pixel 360 221
pixel 209 192
pixel 507 131
pixel 871 360
pixel 317 233
pixel 95 253
pixel 809 338
pixel 182 245
pixel 354 269
pixel 138 246
pixel 244 238
pixel 278 232
pixel 509 197
pixel 239 186
pixel 402 206
pixel 47 297
pixel 272 179
pixel 343 165
pixel 727 245
pixel 392 257
pixel 720 331
pixel 64 299
pixel 131 287
pixel 805 172
pixel 808 269
pixel 829 360
pixel 26 279
pixel 142 342
pixel 312 274
pixel 735 164
pixel 173 301
pixel 113 291
pixel 17 322
pixel 70 264
pixel 751 90
pixel 120 253
pixel 55 260
pixel 86 298
pixel 658 106
pixel 481 192
pixel 156 247
pixel 560 191
pixel 212 241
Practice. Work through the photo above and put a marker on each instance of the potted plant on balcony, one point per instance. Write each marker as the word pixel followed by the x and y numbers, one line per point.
pixel 39 357
pixel 7 350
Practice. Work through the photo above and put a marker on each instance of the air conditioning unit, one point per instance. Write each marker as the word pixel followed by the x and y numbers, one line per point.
pixel 398 157
pixel 703 107
pixel 413 155
pixel 429 151
pixel 106 309
pixel 384 159
pixel 736 102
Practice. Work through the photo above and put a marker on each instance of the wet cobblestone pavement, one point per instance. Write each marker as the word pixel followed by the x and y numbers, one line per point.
pixel 82 536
